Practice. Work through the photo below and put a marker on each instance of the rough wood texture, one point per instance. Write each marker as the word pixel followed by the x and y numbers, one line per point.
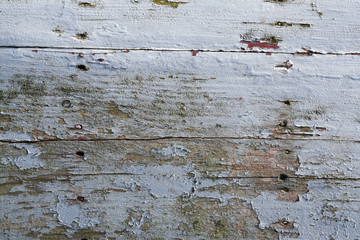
pixel 174 94
pixel 157 119
pixel 323 25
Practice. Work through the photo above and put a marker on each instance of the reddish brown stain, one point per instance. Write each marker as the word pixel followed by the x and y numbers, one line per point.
pixel 194 53
pixel 101 59
pixel 38 134
pixel 272 161
pixel 35 51
pixel 259 44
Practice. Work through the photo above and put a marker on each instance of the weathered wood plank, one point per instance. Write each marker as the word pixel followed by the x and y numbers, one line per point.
pixel 209 158
pixel 48 95
pixel 172 202
pixel 322 25
pixel 156 119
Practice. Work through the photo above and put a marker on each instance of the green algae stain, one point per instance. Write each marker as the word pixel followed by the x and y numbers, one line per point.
pixel 168 3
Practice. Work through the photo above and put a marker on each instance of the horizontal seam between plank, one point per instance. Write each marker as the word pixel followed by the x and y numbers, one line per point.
pixel 305 178
pixel 175 139
pixel 307 53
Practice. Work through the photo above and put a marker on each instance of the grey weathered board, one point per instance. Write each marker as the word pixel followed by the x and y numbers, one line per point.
pixel 156 119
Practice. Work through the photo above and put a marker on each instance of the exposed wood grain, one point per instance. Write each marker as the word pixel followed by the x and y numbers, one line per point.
pixel 322 25
pixel 205 189
pixel 135 190
pixel 174 94
pixel 210 158
pixel 194 119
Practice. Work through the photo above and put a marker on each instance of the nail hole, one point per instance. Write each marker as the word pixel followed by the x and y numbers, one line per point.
pixel 283 123
pixel 66 103
pixel 82 67
pixel 78 126
pixel 287 151
pixel 287 102
pixel 80 199
pixel 80 153
pixel 283 176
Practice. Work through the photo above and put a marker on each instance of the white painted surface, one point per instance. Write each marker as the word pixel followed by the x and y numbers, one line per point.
pixel 199 24
pixel 187 130
pixel 28 161
pixel 162 94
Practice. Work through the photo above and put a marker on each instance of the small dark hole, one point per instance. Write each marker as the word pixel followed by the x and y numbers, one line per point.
pixel 80 199
pixel 287 151
pixel 285 189
pixel 283 123
pixel 84 239
pixel 66 103
pixel 287 102
pixel 80 153
pixel 283 176
pixel 82 67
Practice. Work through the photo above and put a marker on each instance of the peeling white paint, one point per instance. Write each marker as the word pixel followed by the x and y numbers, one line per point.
pixel 199 33
pixel 173 151
pixel 245 94
pixel 311 215
pixel 138 223
pixel 165 180
pixel 258 109
pixel 73 214
pixel 28 161
pixel 15 136
pixel 67 214
pixel 326 160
